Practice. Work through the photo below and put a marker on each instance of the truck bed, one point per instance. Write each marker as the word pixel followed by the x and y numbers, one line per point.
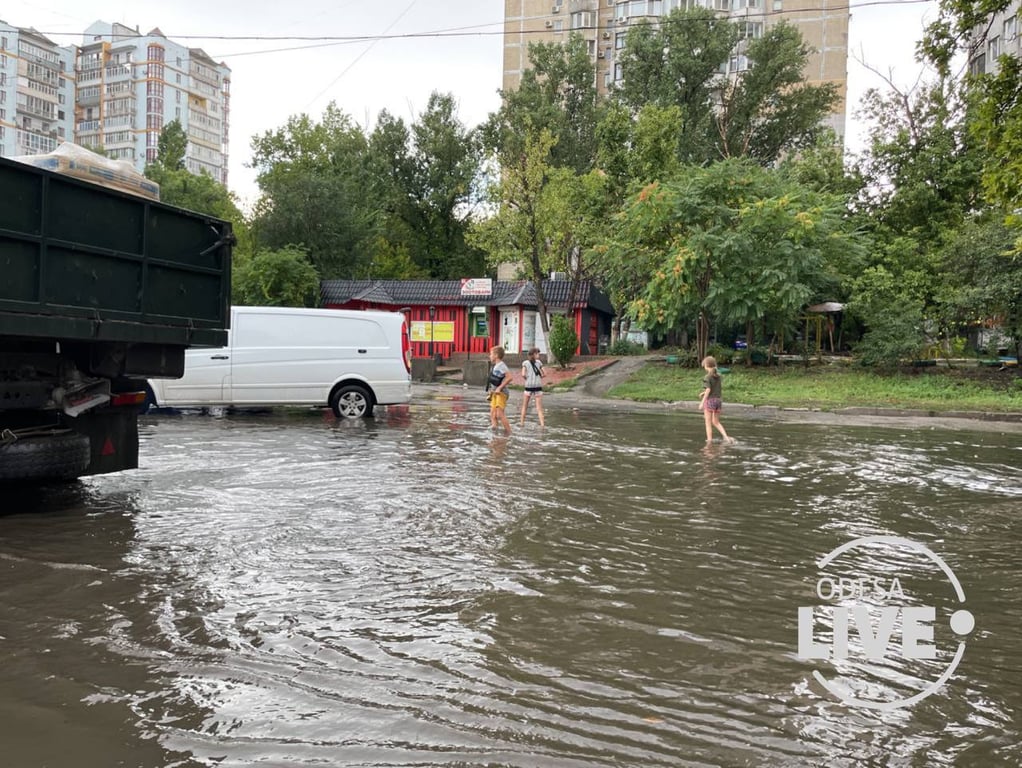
pixel 82 262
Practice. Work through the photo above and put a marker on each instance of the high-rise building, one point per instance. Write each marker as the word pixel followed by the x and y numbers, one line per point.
pixel 998 36
pixel 36 92
pixel 131 85
pixel 605 23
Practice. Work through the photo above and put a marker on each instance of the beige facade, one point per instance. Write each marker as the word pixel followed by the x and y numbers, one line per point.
pixel 999 36
pixel 605 23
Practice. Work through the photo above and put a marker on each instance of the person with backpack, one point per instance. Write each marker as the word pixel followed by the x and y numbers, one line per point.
pixel 532 372
pixel 496 386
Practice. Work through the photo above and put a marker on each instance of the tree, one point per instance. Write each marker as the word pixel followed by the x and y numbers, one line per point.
pixel 280 278
pixel 557 93
pixel 315 192
pixel 732 241
pixel 677 63
pixel 995 98
pixel 893 318
pixel 547 217
pixel 518 230
pixel 445 163
pixel 563 341
pixel 985 270
pixel 760 112
pixel 998 128
pixel 769 108
pixel 172 146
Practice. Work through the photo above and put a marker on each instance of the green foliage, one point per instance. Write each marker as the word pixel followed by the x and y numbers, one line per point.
pixel 557 95
pixel 201 193
pixel 547 217
pixel 280 278
pixel 765 111
pixel 985 276
pixel 998 128
pixel 771 108
pixel 172 146
pixel 921 174
pixel 314 192
pixel 731 241
pixel 723 355
pixel 425 179
pixel 677 63
pixel 892 315
pixel 393 262
pixel 624 348
pixel 563 340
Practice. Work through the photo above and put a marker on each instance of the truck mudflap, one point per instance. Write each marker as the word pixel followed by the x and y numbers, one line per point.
pixel 113 433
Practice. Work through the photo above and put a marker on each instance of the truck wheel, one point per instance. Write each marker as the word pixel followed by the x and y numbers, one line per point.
pixel 62 456
pixel 352 402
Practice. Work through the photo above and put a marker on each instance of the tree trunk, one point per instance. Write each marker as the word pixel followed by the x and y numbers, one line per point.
pixel 702 336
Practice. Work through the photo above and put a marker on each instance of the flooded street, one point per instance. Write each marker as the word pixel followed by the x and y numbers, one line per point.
pixel 287 590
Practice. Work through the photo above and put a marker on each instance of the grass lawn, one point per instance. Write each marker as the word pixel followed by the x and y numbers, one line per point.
pixel 831 387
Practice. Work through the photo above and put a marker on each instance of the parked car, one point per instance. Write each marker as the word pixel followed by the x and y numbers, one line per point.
pixel 740 342
pixel 348 360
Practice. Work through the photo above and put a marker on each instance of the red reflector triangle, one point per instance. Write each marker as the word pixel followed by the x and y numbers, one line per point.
pixel 108 448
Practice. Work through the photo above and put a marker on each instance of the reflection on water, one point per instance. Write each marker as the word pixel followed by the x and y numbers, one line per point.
pixel 415 590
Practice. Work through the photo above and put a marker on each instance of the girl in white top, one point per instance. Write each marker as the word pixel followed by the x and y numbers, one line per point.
pixel 532 372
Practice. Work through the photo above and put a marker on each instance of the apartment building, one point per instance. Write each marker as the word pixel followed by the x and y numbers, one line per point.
pixel 130 85
pixel 36 92
pixel 998 36
pixel 604 24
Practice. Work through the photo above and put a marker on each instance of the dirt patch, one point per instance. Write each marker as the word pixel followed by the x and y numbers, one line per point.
pixel 554 375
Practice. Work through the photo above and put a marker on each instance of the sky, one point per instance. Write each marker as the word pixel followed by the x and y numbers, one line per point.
pixel 273 79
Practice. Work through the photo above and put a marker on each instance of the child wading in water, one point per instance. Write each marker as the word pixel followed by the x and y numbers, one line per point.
pixel 710 402
pixel 532 372
pixel 500 379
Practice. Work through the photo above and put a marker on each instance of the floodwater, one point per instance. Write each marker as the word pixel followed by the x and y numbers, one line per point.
pixel 286 590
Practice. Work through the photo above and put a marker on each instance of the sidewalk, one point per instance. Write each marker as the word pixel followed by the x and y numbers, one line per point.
pixel 594 381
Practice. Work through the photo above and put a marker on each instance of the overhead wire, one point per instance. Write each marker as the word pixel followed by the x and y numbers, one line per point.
pixel 479 30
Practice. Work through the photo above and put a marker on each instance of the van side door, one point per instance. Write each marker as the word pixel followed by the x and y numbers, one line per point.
pixel 207 370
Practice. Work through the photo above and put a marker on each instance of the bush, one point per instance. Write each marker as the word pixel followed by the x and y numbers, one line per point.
pixel 623 347
pixel 723 355
pixel 563 340
pixel 895 334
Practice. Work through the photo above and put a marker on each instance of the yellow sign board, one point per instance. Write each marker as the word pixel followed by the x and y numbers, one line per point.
pixel 443 330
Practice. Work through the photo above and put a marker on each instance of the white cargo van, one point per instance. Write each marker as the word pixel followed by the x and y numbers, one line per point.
pixel 345 359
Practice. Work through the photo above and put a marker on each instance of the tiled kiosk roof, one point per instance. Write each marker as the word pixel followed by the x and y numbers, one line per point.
pixel 448 292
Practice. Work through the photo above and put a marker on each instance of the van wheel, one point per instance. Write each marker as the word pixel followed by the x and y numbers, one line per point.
pixel 149 404
pixel 60 456
pixel 352 402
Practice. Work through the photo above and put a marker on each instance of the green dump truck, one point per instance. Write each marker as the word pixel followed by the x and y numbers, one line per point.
pixel 99 291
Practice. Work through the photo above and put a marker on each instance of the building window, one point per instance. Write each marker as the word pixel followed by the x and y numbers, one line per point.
pixel 1010 28
pixel 994 48
pixel 751 30
pixel 778 5
pixel 978 65
pixel 619 40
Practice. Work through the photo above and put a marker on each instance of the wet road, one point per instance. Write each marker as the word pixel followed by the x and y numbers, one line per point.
pixel 287 590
